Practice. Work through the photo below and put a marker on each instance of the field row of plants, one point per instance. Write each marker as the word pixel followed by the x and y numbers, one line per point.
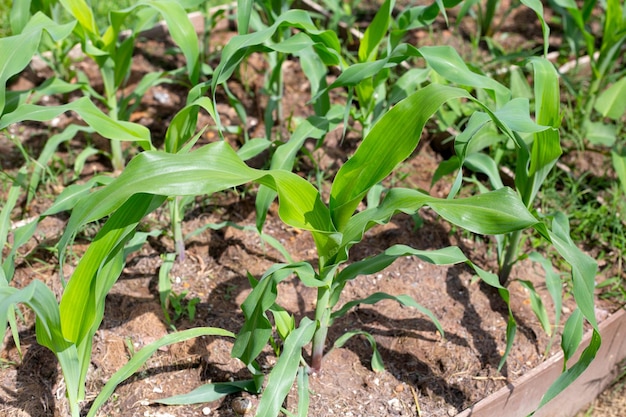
pixel 511 118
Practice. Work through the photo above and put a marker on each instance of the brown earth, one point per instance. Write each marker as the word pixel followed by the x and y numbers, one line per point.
pixel 426 375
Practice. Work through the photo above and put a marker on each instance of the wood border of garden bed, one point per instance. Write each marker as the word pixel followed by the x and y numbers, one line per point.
pixel 521 397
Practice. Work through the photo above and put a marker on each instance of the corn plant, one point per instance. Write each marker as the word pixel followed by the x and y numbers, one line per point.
pixel 112 51
pixel 604 93
pixel 335 228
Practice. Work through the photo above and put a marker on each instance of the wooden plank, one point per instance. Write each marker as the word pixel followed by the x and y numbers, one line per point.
pixel 519 398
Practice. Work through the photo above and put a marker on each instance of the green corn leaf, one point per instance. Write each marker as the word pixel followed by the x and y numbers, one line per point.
pixel 496 212
pixel 94 117
pixel 209 392
pixel 553 284
pixel 377 360
pixel 391 140
pixel 612 101
pixel 17 51
pixel 42 301
pixel 537 306
pixel 140 358
pixel 253 147
pixel 86 290
pixel 575 371
pixel 303 392
pixel 212 168
pixel 537 7
pixel 572 335
pixel 241 45
pixel 70 196
pixel 446 61
pixel 281 378
pixel 284 158
pixel 244 9
pixel 584 268
pixel 375 32
pixel 481 162
pixel 403 299
pixel 20 13
pixel 257 329
pixel 182 32
pixel 83 14
pixel 183 125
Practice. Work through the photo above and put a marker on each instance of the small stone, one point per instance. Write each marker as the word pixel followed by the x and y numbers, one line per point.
pixel 394 404
pixel 206 411
pixel 399 388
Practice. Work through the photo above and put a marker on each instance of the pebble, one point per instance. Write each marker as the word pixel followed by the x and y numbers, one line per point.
pixel 395 404
pixel 206 411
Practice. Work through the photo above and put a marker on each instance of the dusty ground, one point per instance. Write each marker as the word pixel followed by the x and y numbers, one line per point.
pixel 424 373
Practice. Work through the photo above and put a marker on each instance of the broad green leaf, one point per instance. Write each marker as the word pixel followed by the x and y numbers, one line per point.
pixel 377 360
pixel 481 162
pixel 211 168
pixel 402 299
pixel 496 212
pixel 257 329
pixel 82 13
pixel 303 392
pixel 284 158
pixel 85 292
pixel 182 32
pixel 553 284
pixel 94 117
pixel 600 133
pixel 209 392
pixel 244 8
pixel 42 301
pixel 446 61
pixel 17 51
pixel 537 7
pixel 576 370
pixel 537 306
pixel 612 101
pixel 253 148
pixel 20 13
pixel 281 378
pixel 73 193
pixel 140 358
pixel 547 95
pixel 516 115
pixel 572 335
pixel 584 268
pixel 239 46
pixel 391 140
pixel 183 125
pixel 375 32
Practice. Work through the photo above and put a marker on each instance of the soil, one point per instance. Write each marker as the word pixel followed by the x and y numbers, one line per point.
pixel 425 374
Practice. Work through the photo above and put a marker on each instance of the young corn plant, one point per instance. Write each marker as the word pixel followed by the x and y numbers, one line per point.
pixel 112 51
pixel 604 94
pixel 335 226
